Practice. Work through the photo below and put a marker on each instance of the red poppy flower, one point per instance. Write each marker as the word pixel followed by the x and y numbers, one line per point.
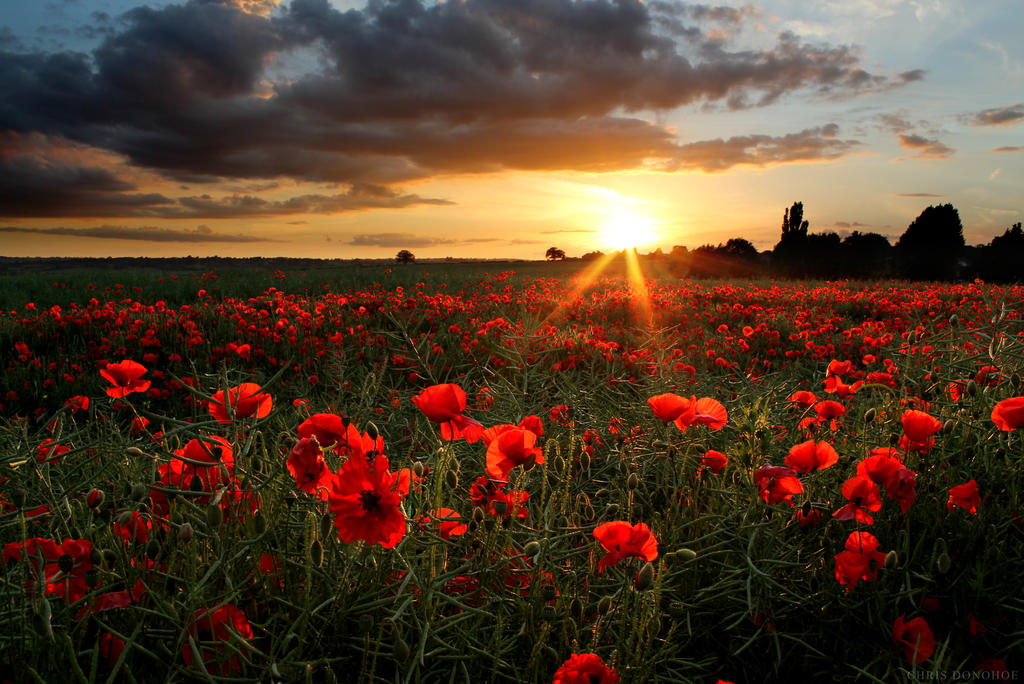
pixel 533 424
pixel 919 426
pixel 512 447
pixel 246 400
pixel 838 368
pixel 964 496
pixel 809 519
pixel 881 466
pixel 125 376
pixel 366 498
pixel 860 560
pixel 328 429
pixel 444 404
pixel 863 496
pixel 777 483
pixel 622 540
pixel 903 487
pixel 210 631
pixel 111 648
pixel 710 412
pixel 448 522
pixel 803 399
pixel 306 464
pixel 69 584
pixel 496 500
pixel 78 403
pixel 715 461
pixel 136 528
pixel 916 638
pixel 585 668
pixel 1009 414
pixel 829 410
pixel 671 407
pixel 809 456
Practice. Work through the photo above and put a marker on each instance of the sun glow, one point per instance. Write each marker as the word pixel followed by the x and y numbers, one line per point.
pixel 626 229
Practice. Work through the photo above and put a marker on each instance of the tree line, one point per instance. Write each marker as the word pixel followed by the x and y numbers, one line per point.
pixel 931 248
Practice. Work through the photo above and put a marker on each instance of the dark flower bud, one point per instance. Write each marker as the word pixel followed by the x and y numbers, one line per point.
pixel 134 451
pixel 451 479
pixel 124 519
pixel 500 507
pixel 869 415
pixel 644 578
pixel 806 508
pixel 633 481
pixel 195 484
pixel 585 461
pixel 316 553
pixel 109 557
pixel 604 605
pixel 365 623
pixel 95 498
pixel 92 578
pixel 532 548
pixel 214 516
pixel 478 515
pixel 548 592
pixel 259 524
pixel 153 549
pixel 972 388
pixel 418 469
pixel 400 650
pixel 18 497
pixel 139 491
pixel 892 560
pixel 686 555
pixel 372 432
pixel 185 532
pixel 326 526
pixel 942 563
pixel 948 426
pixel 95 557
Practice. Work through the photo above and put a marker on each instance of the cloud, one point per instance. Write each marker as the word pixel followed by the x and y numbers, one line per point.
pixel 915 194
pixel 997 116
pixel 1008 148
pixel 851 224
pixel 812 144
pixel 927 147
pixel 574 230
pixel 146 233
pixel 209 90
pixel 397 240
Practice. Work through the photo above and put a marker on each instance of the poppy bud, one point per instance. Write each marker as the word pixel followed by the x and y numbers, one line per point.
pixel 400 650
pixel 500 507
pixel 124 519
pixel 109 557
pixel 365 623
pixel 869 415
pixel 644 578
pixel 686 555
pixel 588 513
pixel 585 461
pixel 478 515
pixel 259 524
pixel 372 432
pixel 195 484
pixel 942 562
pixel 18 497
pixel 451 479
pixel 604 605
pixel 532 548
pixel 417 469
pixel 316 553
pixel 611 510
pixel 214 516
pixel 66 563
pixel 806 508
pixel 892 560
pixel 326 526
pixel 1015 381
pixel 633 481
pixel 948 426
pixel 548 592
pixel 576 608
pixel 153 549
pixel 972 388
pixel 953 320
pixel 95 498
pixel 139 491
pixel 185 532
pixel 134 451
pixel 92 578
pixel 95 557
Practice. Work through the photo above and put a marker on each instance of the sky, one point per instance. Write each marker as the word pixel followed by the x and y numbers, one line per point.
pixel 498 128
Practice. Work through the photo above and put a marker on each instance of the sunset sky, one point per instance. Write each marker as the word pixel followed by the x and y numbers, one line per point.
pixel 498 128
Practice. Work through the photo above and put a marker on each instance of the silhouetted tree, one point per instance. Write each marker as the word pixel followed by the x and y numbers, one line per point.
pixel 866 255
pixel 554 254
pixel 591 256
pixel 405 257
pixel 931 245
pixel 790 254
pixel 1003 258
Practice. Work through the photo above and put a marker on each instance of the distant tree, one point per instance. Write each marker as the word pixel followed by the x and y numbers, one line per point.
pixel 591 256
pixel 865 255
pixel 740 249
pixel 554 254
pixel 1003 258
pixel 790 253
pixel 931 246
pixel 405 257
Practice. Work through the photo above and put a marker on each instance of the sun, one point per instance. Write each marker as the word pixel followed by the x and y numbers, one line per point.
pixel 627 230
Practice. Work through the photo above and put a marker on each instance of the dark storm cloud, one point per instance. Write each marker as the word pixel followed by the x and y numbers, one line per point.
pixel 405 90
pixel 998 116
pixel 145 233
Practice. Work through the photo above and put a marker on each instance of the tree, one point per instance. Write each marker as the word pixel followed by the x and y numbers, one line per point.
pixel 790 254
pixel 405 257
pixel 554 254
pixel 930 247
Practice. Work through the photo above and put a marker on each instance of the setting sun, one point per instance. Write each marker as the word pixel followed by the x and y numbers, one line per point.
pixel 626 230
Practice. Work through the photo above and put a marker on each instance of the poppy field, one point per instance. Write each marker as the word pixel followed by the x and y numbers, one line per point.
pixel 439 474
